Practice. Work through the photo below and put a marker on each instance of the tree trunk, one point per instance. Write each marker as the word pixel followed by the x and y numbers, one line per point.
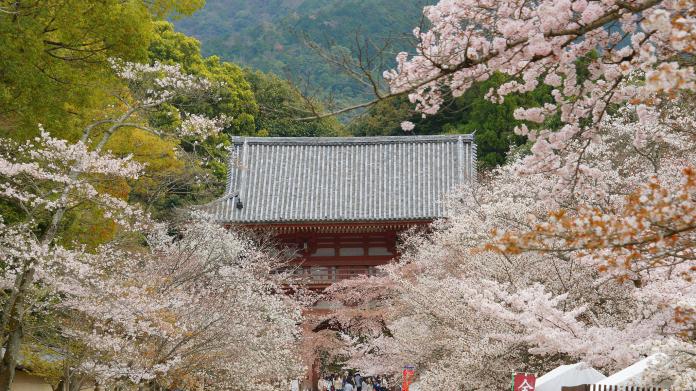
pixel 9 306
pixel 9 359
pixel 66 375
pixel 15 332
pixel 75 383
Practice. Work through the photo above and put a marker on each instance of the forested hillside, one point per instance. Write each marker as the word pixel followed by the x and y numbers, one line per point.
pixel 270 34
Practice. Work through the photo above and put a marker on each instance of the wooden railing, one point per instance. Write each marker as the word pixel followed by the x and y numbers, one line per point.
pixel 322 276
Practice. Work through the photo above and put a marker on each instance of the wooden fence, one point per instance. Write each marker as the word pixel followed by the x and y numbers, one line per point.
pixel 601 387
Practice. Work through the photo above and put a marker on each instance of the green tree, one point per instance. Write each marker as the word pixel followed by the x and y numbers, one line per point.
pixel 236 99
pixel 53 57
pixel 280 104
pixel 491 123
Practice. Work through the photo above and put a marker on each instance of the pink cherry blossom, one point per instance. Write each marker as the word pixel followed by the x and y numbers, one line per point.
pixel 541 41
pixel 407 126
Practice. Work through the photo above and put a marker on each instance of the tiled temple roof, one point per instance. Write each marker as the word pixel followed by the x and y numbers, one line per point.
pixel 342 179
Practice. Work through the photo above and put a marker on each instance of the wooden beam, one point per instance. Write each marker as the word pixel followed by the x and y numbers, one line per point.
pixel 343 261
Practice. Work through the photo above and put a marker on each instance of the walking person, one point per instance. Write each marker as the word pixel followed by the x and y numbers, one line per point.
pixel 338 383
pixel 380 384
pixel 349 385
pixel 358 381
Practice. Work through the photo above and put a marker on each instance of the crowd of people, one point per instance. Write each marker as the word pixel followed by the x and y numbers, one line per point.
pixel 351 382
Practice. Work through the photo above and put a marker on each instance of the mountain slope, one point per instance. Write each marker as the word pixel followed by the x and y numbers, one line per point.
pixel 268 34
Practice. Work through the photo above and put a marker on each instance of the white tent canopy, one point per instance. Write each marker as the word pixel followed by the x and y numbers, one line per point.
pixel 630 376
pixel 567 376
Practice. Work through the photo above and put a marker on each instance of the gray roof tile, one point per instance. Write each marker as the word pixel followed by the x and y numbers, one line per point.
pixel 343 179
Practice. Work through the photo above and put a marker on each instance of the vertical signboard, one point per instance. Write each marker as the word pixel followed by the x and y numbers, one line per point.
pixel 409 371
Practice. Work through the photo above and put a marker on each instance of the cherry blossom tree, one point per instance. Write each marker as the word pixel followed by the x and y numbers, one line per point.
pixel 542 42
pixel 640 233
pixel 356 312
pixel 444 315
pixel 197 308
pixel 46 177
pixel 514 280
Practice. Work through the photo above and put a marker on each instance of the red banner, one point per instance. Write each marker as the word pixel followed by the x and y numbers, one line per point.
pixel 408 377
pixel 523 382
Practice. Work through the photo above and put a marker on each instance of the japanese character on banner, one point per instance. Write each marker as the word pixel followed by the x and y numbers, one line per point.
pixel 523 382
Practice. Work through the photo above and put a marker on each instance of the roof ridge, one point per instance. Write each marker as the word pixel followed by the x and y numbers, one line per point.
pixel 352 140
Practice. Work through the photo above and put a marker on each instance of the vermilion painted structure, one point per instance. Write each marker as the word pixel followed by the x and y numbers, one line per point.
pixel 342 202
pixel 327 257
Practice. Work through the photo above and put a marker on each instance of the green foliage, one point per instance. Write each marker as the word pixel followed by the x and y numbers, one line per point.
pixel 384 119
pixel 269 35
pixel 53 57
pixel 280 103
pixel 236 98
pixel 260 104
pixel 10 213
pixel 492 123
pixel 86 226
pixel 173 8
pixel 168 180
